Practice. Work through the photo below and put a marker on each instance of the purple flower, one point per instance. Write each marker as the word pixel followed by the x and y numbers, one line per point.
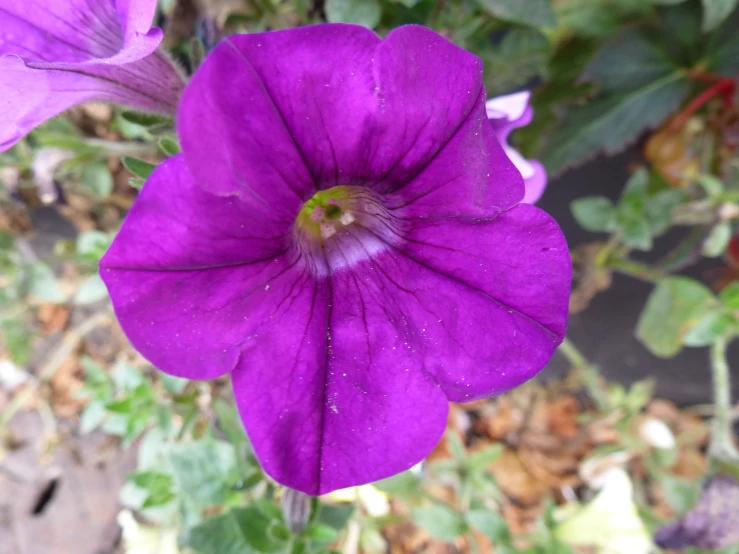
pixel 712 523
pixel 342 234
pixel 507 113
pixel 55 54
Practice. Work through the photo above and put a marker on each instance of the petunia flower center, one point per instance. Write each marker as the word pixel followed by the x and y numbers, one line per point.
pixel 341 226
pixel 327 212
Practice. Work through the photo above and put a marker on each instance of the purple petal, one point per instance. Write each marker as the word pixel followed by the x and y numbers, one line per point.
pixel 56 55
pixel 183 303
pixel 470 177
pixel 486 305
pixel 507 113
pixel 513 109
pixel 341 95
pixel 345 338
pixel 321 414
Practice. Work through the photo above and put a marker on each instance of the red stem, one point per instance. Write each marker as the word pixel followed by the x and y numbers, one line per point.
pixel 724 87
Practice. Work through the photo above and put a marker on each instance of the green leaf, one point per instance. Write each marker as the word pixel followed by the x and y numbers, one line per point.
pixel 729 296
pixel 718 240
pixel 92 416
pixel 93 244
pixel 361 12
pixel 136 182
pixel 204 469
pixel 612 122
pixel 92 290
pixel 490 524
pixel 480 460
pixel 440 522
pixel 41 283
pixel 716 11
pixel 402 484
pixel 145 119
pixel 659 208
pixel 521 55
pixel 722 58
pixel 680 494
pixel 138 167
pixel 240 531
pixel 537 13
pixel 158 487
pixel 456 446
pixel 169 146
pixel 320 532
pixel 172 384
pixel 96 177
pixel 672 310
pixel 595 213
pixel 710 327
pixel 632 60
pixel 334 516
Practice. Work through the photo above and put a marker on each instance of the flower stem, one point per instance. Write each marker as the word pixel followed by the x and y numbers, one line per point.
pixel 588 373
pixel 722 446
pixel 636 269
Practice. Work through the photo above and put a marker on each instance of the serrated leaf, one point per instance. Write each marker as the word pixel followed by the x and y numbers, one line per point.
pixel 139 168
pixel 595 213
pixel 96 178
pixel 612 122
pixel 360 12
pixel 439 521
pixel 674 307
pixel 631 60
pixel 521 55
pixel 718 240
pixel 536 13
pixel 716 11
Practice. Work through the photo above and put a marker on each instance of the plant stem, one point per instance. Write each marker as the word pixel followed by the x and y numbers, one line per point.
pixel 722 445
pixel 587 371
pixel 636 269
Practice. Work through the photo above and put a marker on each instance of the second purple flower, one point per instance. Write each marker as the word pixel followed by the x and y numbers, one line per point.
pixel 342 233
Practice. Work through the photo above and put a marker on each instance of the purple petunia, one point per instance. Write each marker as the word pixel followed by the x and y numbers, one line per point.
pixel 342 233
pixel 712 523
pixel 55 54
pixel 507 113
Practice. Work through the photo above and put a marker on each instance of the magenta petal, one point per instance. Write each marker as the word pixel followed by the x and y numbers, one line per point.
pixel 235 140
pixel 457 184
pixel 163 270
pixel 55 55
pixel 347 322
pixel 481 304
pixel 344 97
pixel 324 414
